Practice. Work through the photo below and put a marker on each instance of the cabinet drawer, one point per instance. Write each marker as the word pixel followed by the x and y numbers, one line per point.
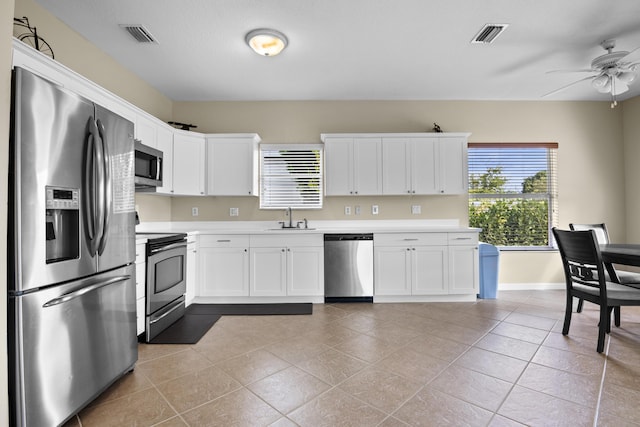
pixel 224 240
pixel 282 240
pixel 411 239
pixel 463 238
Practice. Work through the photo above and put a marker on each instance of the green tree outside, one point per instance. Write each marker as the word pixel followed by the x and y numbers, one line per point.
pixel 513 221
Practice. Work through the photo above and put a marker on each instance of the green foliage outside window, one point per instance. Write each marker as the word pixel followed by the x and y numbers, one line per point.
pixel 510 220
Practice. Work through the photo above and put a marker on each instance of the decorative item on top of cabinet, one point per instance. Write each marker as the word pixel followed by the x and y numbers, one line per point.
pixel 232 164
pixel 353 165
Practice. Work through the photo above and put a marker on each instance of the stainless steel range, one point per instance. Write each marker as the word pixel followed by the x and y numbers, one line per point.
pixel 166 281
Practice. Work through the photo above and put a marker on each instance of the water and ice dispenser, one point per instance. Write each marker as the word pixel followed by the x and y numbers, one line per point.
pixel 62 224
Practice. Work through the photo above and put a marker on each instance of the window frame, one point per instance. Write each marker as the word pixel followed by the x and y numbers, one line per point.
pixel 318 150
pixel 551 195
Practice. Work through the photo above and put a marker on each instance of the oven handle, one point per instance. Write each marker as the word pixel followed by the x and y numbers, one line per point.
pixel 75 294
pixel 165 314
pixel 168 248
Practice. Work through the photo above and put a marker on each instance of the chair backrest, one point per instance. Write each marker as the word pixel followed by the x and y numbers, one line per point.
pixel 580 252
pixel 601 231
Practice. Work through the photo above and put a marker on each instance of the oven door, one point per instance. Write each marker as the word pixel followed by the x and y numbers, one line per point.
pixel 166 275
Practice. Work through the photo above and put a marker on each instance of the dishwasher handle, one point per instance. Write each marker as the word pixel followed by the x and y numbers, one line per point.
pixel 347 237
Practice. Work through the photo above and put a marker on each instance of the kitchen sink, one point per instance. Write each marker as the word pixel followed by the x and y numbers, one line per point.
pixel 289 229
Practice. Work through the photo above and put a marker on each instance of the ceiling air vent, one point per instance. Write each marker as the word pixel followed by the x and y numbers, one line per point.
pixel 488 33
pixel 138 32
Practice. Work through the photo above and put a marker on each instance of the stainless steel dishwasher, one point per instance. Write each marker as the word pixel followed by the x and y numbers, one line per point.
pixel 348 267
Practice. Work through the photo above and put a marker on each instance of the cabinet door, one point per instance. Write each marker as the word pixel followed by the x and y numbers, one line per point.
pixel 463 270
pixel 232 167
pixel 367 166
pixel 192 271
pixel 429 270
pixel 223 272
pixel 164 143
pixel 424 166
pixel 305 271
pixel 338 161
pixel 188 165
pixel 145 130
pixel 268 272
pixel 396 170
pixel 453 166
pixel 392 265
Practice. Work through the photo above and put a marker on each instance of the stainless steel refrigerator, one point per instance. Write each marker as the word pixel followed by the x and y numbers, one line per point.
pixel 72 319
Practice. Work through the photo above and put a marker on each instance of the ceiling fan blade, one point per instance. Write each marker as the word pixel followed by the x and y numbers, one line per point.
pixel 565 87
pixel 630 54
pixel 572 71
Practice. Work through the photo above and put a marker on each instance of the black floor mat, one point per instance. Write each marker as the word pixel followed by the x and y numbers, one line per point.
pixel 199 318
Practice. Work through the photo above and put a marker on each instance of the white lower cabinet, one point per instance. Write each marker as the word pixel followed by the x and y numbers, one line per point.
pixel 410 264
pixel 141 277
pixel 425 264
pixel 287 265
pixel 192 268
pixel 223 262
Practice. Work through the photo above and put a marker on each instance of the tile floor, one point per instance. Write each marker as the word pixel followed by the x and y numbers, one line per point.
pixel 497 362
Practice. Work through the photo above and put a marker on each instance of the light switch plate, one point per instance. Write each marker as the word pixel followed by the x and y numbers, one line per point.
pixel 194 211
pixel 234 211
pixel 416 209
pixel 357 210
pixel 347 210
pixel 374 210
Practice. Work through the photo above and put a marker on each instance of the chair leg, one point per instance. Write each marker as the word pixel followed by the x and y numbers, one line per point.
pixel 603 326
pixel 580 302
pixel 616 315
pixel 567 314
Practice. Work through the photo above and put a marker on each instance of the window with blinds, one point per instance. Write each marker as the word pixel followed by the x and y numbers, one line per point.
pixel 291 176
pixel 513 193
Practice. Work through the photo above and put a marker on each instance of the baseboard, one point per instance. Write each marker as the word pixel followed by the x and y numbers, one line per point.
pixel 530 286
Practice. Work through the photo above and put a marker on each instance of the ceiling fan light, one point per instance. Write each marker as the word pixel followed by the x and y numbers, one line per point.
pixel 266 42
pixel 626 77
pixel 601 82
pixel 619 88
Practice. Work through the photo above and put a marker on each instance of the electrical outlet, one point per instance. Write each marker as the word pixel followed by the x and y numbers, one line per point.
pixel 374 209
pixel 357 210
pixel 347 210
pixel 416 209
pixel 194 211
pixel 233 211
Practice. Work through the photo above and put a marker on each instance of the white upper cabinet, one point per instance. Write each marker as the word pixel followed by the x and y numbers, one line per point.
pixel 146 130
pixel 453 165
pixel 353 165
pixel 188 164
pixel 232 165
pixel 410 165
pixel 395 163
pixel 164 143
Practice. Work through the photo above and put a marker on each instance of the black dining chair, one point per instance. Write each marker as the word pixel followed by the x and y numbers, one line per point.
pixel 585 279
pixel 624 277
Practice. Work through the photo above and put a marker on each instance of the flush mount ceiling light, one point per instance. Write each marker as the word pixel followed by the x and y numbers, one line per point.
pixel 266 42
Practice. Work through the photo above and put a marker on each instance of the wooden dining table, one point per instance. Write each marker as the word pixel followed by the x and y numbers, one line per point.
pixel 620 253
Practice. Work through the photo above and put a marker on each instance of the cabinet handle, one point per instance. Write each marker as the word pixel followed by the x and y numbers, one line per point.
pixel 413 249
pixel 463 238
pixel 408 249
pixel 282 250
pixel 410 240
pixel 224 241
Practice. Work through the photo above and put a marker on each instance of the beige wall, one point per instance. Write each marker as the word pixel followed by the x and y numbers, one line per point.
pixel 6 25
pixel 631 126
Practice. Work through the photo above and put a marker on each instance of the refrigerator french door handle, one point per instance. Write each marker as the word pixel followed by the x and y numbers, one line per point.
pixel 83 291
pixel 100 188
pixel 107 188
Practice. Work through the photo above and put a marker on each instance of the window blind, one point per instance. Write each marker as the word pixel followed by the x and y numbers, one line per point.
pixel 513 192
pixel 291 176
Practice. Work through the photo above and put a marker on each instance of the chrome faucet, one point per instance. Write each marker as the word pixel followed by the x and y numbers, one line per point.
pixel 290 217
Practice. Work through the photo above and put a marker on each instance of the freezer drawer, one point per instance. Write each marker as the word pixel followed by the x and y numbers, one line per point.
pixel 68 344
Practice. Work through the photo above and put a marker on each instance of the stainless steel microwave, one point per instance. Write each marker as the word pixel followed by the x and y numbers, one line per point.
pixel 148 167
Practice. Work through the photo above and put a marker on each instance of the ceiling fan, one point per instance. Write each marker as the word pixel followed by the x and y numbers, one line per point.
pixel 611 73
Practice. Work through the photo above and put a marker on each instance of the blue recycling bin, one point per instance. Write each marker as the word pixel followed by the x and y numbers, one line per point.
pixel 489 257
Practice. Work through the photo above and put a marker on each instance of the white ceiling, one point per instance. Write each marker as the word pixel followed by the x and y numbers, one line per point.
pixel 360 49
